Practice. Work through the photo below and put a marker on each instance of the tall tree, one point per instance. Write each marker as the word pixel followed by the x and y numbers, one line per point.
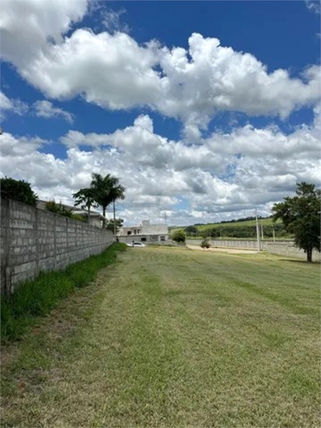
pixel 301 217
pixel 110 224
pixel 106 191
pixel 19 190
pixel 85 198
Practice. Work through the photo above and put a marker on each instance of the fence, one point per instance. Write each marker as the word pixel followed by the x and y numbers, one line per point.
pixel 289 250
pixel 248 244
pixel 33 240
pixel 283 248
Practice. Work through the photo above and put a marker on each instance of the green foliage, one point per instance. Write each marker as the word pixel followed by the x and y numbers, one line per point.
pixel 78 217
pixel 53 207
pixel 38 297
pixel 206 243
pixel 243 231
pixel 18 190
pixel 85 198
pixel 191 230
pixel 106 190
pixel 301 217
pixel 241 228
pixel 178 236
pixel 110 224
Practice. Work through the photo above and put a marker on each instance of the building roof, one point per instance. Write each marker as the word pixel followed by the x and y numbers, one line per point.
pixel 75 210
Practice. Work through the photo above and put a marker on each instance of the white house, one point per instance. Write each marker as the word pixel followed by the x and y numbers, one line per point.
pixel 145 232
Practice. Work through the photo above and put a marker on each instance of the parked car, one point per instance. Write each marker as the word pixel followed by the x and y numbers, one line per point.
pixel 136 244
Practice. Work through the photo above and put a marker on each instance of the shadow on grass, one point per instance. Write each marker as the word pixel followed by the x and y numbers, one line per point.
pixel 300 261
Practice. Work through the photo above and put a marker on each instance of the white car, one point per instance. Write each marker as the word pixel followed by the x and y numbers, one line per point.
pixel 136 244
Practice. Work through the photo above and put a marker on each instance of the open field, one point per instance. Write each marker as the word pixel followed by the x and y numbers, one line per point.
pixel 262 221
pixel 238 230
pixel 172 337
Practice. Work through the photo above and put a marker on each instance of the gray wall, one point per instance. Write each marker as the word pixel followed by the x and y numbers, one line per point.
pixel 289 250
pixel 283 248
pixel 146 239
pixel 250 244
pixel 33 240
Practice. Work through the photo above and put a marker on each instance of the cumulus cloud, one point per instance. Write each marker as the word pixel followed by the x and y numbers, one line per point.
pixel 43 23
pixel 223 176
pixel 47 110
pixel 15 106
pixel 116 72
pixel 192 179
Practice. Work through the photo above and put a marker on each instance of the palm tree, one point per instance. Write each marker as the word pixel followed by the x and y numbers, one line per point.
pixel 85 197
pixel 106 191
pixel 117 192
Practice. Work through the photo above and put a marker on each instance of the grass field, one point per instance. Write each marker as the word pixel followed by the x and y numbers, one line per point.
pixel 172 337
pixel 263 221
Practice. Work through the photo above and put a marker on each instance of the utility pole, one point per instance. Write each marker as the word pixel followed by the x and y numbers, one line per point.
pixel 257 232
pixel 114 209
pixel 262 231
pixel 273 234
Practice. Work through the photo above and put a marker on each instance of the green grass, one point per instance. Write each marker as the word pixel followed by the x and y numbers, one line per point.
pixel 263 221
pixel 172 337
pixel 37 297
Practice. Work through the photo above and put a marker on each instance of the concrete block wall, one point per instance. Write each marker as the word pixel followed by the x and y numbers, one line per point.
pixel 33 240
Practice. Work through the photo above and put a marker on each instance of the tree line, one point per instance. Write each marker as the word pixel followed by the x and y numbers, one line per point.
pixel 300 215
pixel 102 191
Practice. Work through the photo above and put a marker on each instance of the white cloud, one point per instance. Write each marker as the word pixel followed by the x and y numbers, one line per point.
pixel 223 176
pixel 219 78
pixel 116 72
pixel 193 179
pixel 40 20
pixel 47 110
pixel 313 6
pixel 5 103
pixel 15 106
pixel 110 19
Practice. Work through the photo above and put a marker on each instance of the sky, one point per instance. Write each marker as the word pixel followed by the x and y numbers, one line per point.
pixel 205 111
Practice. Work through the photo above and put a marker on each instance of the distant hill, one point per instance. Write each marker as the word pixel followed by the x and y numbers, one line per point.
pixel 240 228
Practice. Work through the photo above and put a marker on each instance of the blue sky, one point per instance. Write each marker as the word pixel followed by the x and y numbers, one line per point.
pixel 204 110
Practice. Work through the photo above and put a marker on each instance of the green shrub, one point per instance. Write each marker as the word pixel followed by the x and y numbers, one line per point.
pixel 178 236
pixel 53 207
pixel 19 190
pixel 206 243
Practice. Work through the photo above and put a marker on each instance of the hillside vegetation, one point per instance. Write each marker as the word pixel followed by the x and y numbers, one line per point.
pixel 241 228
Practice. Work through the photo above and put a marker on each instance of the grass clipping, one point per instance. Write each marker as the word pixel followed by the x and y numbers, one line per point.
pixel 38 297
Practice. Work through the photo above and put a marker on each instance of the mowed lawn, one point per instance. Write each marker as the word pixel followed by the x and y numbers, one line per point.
pixel 173 338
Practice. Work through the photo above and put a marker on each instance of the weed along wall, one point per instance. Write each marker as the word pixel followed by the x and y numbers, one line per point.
pixel 33 240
